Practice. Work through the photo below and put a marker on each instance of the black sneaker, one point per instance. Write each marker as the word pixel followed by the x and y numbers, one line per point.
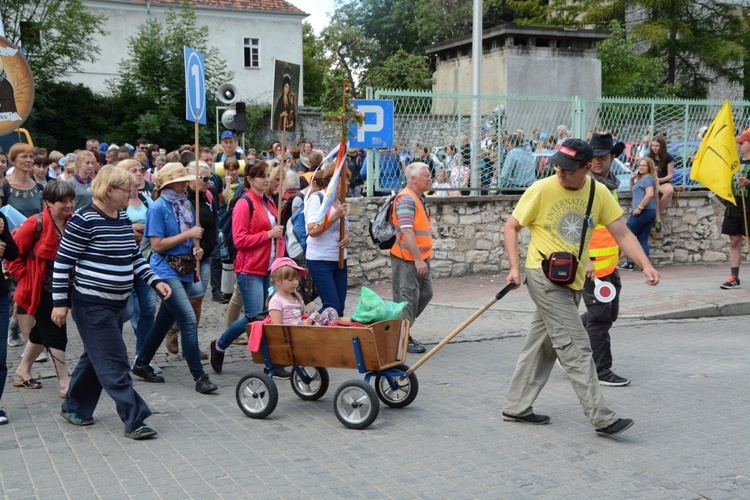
pixel 204 384
pixel 142 432
pixel 531 418
pixel 279 372
pixel 732 282
pixel 217 358
pixel 620 425
pixel 147 373
pixel 612 380
pixel 627 266
pixel 415 347
pixel 14 335
pixel 220 298
pixel 3 418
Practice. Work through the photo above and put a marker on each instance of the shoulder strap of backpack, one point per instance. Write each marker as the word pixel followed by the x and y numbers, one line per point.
pixel 38 229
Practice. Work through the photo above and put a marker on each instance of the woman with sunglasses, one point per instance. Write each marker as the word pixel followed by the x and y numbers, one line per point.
pixel 208 210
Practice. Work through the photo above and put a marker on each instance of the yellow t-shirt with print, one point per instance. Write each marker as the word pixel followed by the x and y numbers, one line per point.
pixel 554 215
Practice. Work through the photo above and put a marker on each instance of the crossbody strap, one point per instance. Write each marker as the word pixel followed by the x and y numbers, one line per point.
pixel 587 219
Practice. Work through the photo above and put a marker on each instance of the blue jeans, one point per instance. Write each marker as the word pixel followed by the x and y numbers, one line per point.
pixel 199 289
pixel 104 363
pixel 331 283
pixel 4 320
pixel 141 310
pixel 640 226
pixel 254 290
pixel 176 308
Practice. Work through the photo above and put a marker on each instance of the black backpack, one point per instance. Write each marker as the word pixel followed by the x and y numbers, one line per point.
pixel 225 225
pixel 382 231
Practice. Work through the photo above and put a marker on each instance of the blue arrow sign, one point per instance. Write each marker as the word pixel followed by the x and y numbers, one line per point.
pixel 195 86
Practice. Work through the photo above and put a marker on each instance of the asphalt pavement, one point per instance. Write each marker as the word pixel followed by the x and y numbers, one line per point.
pixel 684 344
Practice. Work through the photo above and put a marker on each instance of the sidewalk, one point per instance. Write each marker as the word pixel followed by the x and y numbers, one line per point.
pixel 684 292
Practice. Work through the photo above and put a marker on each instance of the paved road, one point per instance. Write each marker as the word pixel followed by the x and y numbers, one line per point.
pixel 688 397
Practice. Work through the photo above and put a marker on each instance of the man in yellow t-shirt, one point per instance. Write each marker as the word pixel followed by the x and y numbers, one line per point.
pixel 554 210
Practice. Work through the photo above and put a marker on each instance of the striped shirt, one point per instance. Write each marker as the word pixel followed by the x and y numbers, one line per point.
pixel 103 252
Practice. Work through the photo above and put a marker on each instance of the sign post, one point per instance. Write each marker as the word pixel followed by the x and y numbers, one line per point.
pixel 195 111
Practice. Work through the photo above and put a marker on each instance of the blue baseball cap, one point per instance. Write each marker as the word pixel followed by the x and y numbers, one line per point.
pixel 103 147
pixel 228 134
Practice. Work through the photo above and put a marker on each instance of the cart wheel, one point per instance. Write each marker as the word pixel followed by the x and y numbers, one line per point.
pixel 315 387
pixel 401 393
pixel 257 395
pixel 356 405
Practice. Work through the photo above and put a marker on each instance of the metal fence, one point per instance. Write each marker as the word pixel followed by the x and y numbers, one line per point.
pixel 436 128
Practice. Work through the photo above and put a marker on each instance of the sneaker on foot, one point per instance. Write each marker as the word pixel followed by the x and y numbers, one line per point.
pixel 147 374
pixel 155 367
pixel 217 358
pixel 415 347
pixel 14 335
pixel 204 384
pixel 732 282
pixel 627 266
pixel 3 418
pixel 613 380
pixel 620 425
pixel 279 372
pixel 42 357
pixel 142 432
pixel 531 418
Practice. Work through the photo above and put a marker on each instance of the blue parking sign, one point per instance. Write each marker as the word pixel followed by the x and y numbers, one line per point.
pixel 195 86
pixel 377 129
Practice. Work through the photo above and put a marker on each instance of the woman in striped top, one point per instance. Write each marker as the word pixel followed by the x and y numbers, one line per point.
pixel 99 244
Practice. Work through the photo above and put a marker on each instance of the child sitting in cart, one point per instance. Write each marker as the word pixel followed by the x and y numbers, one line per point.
pixel 285 306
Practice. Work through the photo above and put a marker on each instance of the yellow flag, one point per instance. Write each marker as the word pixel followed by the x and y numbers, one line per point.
pixel 717 160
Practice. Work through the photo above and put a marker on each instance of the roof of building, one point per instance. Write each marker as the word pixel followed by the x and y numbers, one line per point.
pixel 511 30
pixel 245 5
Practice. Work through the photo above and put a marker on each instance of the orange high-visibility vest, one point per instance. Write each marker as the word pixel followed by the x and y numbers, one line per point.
pixel 603 250
pixel 421 229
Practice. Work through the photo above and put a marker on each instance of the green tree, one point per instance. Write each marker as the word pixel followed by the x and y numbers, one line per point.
pixel 67 114
pixel 699 41
pixel 625 73
pixel 60 35
pixel 315 64
pixel 402 71
pixel 149 96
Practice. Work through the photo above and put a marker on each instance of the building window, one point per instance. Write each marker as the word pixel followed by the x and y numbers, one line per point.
pixel 252 52
pixel 31 35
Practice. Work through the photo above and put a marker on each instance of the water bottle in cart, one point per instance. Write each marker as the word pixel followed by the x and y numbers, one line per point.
pixel 223 250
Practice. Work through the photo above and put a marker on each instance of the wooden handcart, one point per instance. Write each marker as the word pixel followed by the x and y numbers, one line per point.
pixel 378 350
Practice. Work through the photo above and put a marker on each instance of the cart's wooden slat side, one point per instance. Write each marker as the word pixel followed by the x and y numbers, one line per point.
pixel 392 338
pixel 383 345
pixel 279 346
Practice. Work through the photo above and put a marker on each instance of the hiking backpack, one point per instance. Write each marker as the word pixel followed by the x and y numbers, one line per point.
pixel 225 225
pixel 382 231
pixel 295 232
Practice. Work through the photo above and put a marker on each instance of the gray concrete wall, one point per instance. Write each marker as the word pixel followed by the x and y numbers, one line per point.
pixel 468 237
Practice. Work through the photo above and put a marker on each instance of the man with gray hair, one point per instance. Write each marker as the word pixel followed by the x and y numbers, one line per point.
pixel 411 252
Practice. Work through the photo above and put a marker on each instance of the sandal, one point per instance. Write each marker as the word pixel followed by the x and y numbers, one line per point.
pixel 657 226
pixel 74 419
pixel 28 384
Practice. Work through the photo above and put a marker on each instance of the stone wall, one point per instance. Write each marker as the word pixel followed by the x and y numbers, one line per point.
pixel 468 235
